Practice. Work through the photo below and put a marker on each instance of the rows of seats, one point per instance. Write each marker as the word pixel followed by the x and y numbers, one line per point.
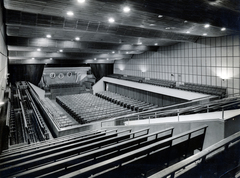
pixel 112 153
pixel 124 101
pixel 162 83
pixel 132 78
pixel 63 85
pixel 158 82
pixel 57 116
pixel 87 108
pixel 64 89
pixel 207 89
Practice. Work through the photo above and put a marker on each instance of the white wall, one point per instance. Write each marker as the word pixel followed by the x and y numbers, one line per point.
pixel 204 62
pixel 3 59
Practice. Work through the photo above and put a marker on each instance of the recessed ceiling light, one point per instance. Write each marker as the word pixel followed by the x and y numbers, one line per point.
pixel 111 20
pixel 127 52
pixel 81 1
pixel 33 58
pixel 206 26
pixel 95 59
pixel 139 43
pixel 60 50
pixel 107 59
pixel 77 38
pixel 50 58
pixel 152 24
pixel 156 44
pixel 160 16
pixel 126 9
pixel 223 29
pixel 185 21
pixel 187 31
pixel 48 36
pixel 70 13
pixel 113 52
pixel 205 34
pixel 38 49
pixel 167 28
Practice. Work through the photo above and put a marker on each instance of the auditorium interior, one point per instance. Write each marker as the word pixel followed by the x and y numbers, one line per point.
pixel 120 88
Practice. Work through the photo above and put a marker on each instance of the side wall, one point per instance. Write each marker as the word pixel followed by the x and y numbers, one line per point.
pixel 207 61
pixel 3 57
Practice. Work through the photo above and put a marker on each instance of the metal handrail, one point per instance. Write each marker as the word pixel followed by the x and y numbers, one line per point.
pixel 171 170
pixel 154 114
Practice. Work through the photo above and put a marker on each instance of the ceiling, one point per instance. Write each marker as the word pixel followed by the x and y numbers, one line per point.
pixel 148 25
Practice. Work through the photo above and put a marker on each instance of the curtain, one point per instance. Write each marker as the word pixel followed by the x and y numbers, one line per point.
pixel 29 72
pixel 101 70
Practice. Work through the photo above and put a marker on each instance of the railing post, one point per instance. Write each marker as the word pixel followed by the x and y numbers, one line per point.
pixel 138 116
pixel 155 115
pixel 222 113
pixel 178 114
pixel 207 108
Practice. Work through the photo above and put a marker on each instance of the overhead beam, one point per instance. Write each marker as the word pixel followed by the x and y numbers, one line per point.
pixel 63 55
pixel 75 45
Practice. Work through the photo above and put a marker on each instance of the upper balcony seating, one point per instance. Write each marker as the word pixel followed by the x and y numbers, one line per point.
pixel 206 89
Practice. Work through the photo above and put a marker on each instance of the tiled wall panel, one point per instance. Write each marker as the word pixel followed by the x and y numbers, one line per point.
pixel 3 59
pixel 207 61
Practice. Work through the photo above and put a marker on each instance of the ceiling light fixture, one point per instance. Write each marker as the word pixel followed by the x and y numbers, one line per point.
pixel 111 20
pixel 113 52
pixel 139 43
pixel 95 59
pixel 126 9
pixel 33 58
pixel 205 34
pixel 70 13
pixel 107 59
pixel 187 31
pixel 223 29
pixel 81 1
pixel 77 38
pixel 160 16
pixel 60 50
pixel 50 58
pixel 156 44
pixel 38 49
pixel 206 26
pixel 127 52
pixel 48 36
pixel 185 21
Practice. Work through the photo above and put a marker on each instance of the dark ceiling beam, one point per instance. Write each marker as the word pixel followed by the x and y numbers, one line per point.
pixel 62 62
pixel 63 55
pixel 116 35
pixel 79 45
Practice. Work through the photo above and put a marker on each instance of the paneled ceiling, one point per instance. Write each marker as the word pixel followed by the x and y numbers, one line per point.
pixel 148 25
